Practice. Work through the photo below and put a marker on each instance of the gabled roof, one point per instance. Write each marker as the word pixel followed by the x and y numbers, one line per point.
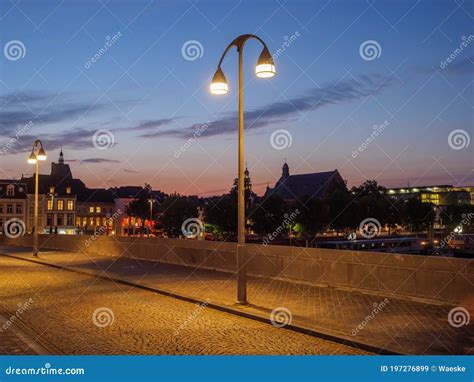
pixel 316 184
pixel 19 189
pixel 96 195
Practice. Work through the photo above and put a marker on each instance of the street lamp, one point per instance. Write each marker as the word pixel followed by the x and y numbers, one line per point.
pixel 37 154
pixel 265 68
pixel 151 200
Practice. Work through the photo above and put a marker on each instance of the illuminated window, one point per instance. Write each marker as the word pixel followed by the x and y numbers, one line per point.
pixel 70 205
pixel 51 189
pixel 10 190
pixel 104 221
pixel 78 221
pixel 97 209
pixel 60 204
pixel 68 190
pixel 91 221
pixel 50 204
pixel 97 221
pixel 91 210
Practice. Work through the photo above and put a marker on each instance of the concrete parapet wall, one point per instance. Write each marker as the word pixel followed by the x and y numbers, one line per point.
pixel 447 280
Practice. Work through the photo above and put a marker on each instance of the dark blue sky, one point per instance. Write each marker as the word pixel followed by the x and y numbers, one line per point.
pixel 327 95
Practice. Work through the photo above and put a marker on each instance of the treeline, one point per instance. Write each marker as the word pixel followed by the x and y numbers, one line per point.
pixel 341 211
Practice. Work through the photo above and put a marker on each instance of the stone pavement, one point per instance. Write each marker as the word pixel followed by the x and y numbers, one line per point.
pixel 384 322
pixel 14 341
pixel 75 314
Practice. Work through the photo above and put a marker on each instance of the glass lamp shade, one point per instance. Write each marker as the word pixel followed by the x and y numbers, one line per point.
pixel 41 155
pixel 265 66
pixel 219 83
pixel 32 158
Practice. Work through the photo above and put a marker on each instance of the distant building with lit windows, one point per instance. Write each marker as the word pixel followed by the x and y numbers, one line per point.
pixel 13 202
pixel 439 195
pixel 58 196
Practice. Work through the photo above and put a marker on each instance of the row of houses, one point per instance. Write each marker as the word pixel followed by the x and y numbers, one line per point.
pixel 66 205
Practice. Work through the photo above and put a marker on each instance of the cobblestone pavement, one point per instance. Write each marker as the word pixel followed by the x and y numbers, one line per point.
pixel 80 314
pixel 403 326
pixel 11 343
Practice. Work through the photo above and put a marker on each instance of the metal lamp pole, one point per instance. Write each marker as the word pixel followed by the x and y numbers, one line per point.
pixel 265 68
pixel 151 215
pixel 37 154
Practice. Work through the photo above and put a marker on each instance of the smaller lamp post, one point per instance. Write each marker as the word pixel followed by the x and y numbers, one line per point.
pixel 151 201
pixel 37 154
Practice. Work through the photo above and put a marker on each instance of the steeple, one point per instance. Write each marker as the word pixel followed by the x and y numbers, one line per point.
pixel 285 172
pixel 61 156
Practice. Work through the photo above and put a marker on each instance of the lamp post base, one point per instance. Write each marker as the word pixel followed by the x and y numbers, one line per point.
pixel 241 275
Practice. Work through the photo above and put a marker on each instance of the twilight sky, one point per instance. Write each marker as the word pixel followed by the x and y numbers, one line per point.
pixel 126 117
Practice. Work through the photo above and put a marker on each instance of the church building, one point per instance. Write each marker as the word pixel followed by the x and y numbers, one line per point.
pixel 312 185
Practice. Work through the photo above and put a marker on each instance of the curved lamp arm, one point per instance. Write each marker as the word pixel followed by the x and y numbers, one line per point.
pixel 239 43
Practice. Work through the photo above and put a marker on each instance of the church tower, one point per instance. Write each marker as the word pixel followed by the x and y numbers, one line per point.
pixel 61 170
pixel 285 172
pixel 61 157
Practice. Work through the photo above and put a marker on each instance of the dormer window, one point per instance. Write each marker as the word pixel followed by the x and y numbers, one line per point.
pixel 51 190
pixel 68 190
pixel 10 190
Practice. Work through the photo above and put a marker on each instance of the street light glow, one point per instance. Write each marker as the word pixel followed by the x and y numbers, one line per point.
pixel 219 83
pixel 32 158
pixel 265 66
pixel 41 155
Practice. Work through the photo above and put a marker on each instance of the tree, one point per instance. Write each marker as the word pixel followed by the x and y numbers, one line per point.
pixel 140 206
pixel 342 212
pixel 222 214
pixel 268 214
pixel 418 216
pixel 175 210
pixel 313 216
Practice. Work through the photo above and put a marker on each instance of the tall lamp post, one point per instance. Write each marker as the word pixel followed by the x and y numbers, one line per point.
pixel 37 154
pixel 265 68
pixel 151 200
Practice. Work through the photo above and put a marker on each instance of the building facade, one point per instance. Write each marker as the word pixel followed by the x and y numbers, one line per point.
pixel 439 195
pixel 13 207
pixel 312 185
